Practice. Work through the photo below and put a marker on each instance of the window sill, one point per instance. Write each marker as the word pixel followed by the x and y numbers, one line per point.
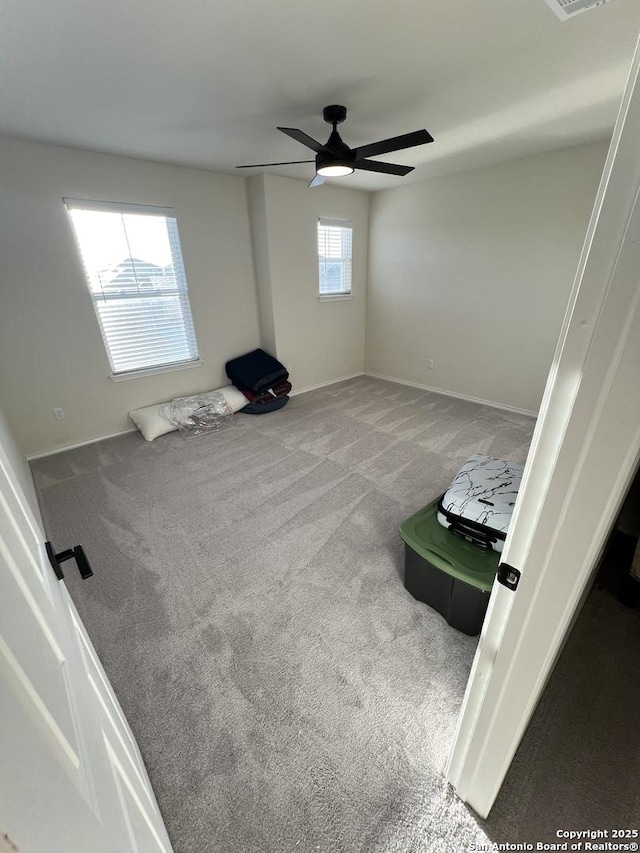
pixel 334 297
pixel 153 371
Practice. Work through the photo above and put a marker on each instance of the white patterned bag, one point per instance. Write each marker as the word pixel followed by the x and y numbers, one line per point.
pixel 479 503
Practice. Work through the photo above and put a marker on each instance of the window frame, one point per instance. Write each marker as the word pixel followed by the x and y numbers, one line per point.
pixel 182 288
pixel 341 294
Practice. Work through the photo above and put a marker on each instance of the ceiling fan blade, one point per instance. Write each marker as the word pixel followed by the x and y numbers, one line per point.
pixel 385 168
pixel 316 182
pixel 286 163
pixel 396 143
pixel 299 136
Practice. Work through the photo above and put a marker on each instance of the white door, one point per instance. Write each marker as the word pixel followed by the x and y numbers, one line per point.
pixel 71 775
pixel 584 453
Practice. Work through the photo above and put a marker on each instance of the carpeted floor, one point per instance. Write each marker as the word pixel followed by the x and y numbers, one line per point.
pixel 287 693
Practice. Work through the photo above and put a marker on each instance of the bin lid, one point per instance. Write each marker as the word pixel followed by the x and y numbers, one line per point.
pixel 448 552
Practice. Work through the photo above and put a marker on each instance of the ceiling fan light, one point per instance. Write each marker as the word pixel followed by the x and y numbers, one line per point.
pixel 335 170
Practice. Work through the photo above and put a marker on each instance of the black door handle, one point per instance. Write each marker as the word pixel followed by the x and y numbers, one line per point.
pixel 77 552
pixel 84 567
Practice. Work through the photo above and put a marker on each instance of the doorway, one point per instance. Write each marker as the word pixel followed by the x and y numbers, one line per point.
pixel 585 448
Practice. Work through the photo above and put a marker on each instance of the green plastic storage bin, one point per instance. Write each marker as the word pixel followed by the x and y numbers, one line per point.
pixel 447 573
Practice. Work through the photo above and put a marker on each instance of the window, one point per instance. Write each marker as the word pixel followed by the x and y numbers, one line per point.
pixel 133 264
pixel 334 257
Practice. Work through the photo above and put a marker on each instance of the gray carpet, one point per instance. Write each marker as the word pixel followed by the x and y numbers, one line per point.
pixel 287 693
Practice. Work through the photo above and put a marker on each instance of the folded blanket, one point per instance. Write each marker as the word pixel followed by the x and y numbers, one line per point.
pixel 256 371
pixel 279 390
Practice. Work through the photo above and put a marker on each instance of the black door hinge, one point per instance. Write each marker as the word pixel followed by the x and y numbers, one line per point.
pixel 508 576
pixel 77 553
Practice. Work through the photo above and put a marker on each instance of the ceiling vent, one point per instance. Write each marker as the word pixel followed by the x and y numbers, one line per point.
pixel 566 9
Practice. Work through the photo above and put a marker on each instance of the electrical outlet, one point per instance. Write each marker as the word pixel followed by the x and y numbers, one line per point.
pixel 59 414
pixel 430 364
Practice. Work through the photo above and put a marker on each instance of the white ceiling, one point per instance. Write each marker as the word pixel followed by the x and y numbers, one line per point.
pixel 204 83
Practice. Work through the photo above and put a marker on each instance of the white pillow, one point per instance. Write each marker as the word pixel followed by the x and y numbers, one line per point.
pixel 234 398
pixel 152 424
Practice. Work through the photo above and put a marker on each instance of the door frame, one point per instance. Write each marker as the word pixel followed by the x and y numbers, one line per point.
pixel 584 452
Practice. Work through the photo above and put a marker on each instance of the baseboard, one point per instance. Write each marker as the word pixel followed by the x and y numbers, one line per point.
pixel 34 456
pixel 325 384
pixel 491 403
pixel 79 444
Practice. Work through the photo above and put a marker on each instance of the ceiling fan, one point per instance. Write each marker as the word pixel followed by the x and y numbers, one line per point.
pixel 335 159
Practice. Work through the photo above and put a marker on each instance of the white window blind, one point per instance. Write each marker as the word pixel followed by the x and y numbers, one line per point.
pixel 334 257
pixel 133 264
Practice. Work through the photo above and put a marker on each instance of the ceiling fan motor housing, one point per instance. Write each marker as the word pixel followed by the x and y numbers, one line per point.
pixel 334 114
pixel 335 151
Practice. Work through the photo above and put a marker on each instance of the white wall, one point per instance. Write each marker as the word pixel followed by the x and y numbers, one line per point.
pixel 261 261
pixel 319 342
pixel 51 350
pixel 474 270
pixel 18 465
